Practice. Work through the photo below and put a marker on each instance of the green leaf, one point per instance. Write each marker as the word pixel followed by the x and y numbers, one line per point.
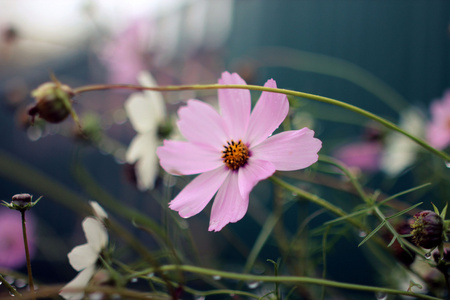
pixel 372 233
pixel 354 214
pixel 444 211
pixel 404 192
pixel 403 211
pixel 392 241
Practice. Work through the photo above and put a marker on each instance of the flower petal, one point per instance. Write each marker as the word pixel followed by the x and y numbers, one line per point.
pixel 158 107
pixel 235 105
pixel 200 123
pixel 141 113
pixel 289 150
pixel 98 210
pixel 228 206
pixel 252 173
pixel 268 113
pixel 82 257
pixel 79 282
pixel 184 158
pixel 96 234
pixel 196 195
pixel 142 151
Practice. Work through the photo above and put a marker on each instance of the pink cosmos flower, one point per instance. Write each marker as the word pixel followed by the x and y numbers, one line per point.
pixel 12 249
pixel 438 130
pixel 233 150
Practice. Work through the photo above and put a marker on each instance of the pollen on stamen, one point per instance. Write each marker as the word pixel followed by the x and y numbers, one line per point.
pixel 235 154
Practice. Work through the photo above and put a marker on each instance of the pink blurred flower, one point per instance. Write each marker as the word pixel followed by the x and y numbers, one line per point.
pixel 233 150
pixel 126 55
pixel 438 130
pixel 364 155
pixel 12 249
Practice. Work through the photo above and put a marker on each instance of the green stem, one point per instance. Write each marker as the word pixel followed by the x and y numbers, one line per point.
pixel 27 252
pixel 315 199
pixel 347 106
pixel 290 279
pixel 349 175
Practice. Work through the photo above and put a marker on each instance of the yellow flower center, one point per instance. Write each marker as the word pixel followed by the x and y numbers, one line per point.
pixel 235 155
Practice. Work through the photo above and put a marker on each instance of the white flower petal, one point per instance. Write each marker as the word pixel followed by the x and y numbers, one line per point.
pixel 99 212
pixel 142 151
pixel 157 101
pixel 146 110
pixel 80 281
pixel 141 113
pixel 82 256
pixel 96 234
pixel 400 151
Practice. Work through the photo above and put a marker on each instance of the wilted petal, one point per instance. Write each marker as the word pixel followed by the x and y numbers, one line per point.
pixel 184 158
pixel 96 234
pixel 252 173
pixel 82 257
pixel 196 195
pixel 79 282
pixel 289 150
pixel 228 206
pixel 235 105
pixel 142 151
pixel 201 124
pixel 268 113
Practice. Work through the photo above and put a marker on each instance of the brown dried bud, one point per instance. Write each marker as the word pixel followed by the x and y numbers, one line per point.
pixel 53 102
pixel 428 229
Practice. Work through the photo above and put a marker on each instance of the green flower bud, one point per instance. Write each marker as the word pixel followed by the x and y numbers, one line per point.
pixel 428 229
pixel 53 102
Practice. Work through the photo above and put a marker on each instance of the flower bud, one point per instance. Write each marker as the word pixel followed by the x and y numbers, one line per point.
pixel 21 199
pixel 21 202
pixel 52 102
pixel 428 229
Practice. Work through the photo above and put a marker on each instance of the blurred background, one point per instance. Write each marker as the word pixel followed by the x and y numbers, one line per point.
pixel 388 57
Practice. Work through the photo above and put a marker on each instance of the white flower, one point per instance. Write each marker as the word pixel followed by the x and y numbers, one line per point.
pixel 99 212
pixel 84 258
pixel 400 151
pixel 146 111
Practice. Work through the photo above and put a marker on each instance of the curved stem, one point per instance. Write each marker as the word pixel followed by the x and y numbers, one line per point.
pixel 290 279
pixel 344 105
